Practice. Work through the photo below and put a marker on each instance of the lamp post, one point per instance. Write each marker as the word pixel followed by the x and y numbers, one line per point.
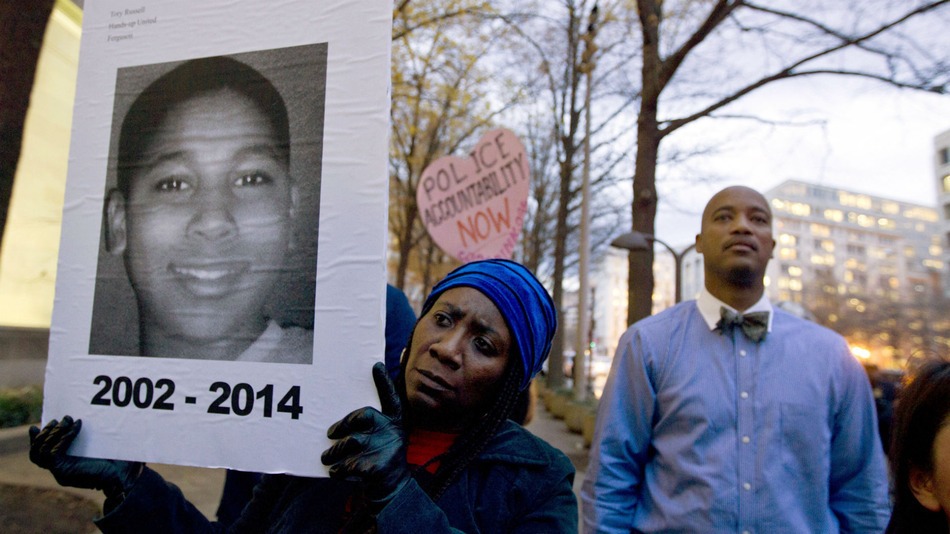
pixel 639 242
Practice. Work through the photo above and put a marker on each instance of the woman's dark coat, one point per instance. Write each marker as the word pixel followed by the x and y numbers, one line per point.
pixel 519 483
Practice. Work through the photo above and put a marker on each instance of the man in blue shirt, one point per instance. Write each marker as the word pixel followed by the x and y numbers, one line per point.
pixel 725 414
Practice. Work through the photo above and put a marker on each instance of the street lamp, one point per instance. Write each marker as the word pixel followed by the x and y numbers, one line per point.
pixel 640 242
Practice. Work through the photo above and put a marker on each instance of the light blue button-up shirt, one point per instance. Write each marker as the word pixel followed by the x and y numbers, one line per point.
pixel 703 432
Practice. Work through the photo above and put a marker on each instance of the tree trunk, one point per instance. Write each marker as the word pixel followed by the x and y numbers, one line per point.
pixel 22 25
pixel 405 245
pixel 570 147
pixel 640 274
pixel 556 358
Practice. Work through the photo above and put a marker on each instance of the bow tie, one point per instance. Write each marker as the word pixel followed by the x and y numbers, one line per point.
pixel 754 325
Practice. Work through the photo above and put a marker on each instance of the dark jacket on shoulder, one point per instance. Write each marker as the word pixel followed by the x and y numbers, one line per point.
pixel 519 483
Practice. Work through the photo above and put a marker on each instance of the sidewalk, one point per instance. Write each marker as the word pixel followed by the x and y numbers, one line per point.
pixel 202 486
pixel 554 431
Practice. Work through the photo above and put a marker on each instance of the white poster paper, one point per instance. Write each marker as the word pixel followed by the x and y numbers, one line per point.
pixel 219 297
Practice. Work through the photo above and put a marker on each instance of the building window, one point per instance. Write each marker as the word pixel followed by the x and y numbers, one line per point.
pixel 946 183
pixel 822 259
pixel 861 219
pixel 944 155
pixel 933 264
pixel 798 208
pixel 820 230
pixel 921 214
pixel 819 192
pixel 946 211
pixel 854 200
pixel 834 215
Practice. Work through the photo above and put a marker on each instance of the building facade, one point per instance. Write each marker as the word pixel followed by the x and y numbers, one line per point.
pixel 609 287
pixel 942 175
pixel 872 268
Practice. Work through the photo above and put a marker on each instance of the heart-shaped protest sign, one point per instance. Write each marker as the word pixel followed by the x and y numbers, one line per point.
pixel 474 208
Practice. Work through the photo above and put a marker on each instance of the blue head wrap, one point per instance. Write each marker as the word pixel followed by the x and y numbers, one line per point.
pixel 524 303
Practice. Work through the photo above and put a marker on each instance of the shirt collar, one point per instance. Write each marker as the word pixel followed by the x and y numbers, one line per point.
pixel 708 306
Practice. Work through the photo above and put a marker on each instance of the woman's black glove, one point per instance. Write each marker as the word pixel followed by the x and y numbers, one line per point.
pixel 372 445
pixel 48 449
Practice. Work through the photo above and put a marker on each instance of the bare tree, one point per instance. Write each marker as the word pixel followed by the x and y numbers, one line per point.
pixel 555 132
pixel 444 96
pixel 701 56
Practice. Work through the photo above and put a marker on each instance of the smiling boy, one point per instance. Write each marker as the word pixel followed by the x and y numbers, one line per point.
pixel 203 214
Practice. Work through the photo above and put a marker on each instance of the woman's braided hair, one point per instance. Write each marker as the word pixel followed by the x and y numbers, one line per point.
pixel 471 443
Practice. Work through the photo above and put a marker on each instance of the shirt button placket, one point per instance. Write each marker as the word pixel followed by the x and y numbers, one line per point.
pixel 745 426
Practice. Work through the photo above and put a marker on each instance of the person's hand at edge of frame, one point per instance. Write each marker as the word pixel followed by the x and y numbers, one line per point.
pixel 371 445
pixel 49 447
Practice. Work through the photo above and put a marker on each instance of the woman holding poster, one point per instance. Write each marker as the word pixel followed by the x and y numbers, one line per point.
pixel 441 454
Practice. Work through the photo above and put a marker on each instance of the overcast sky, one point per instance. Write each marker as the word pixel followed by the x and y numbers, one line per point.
pixel 866 137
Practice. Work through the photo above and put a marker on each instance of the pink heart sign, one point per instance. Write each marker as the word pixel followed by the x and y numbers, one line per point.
pixel 474 208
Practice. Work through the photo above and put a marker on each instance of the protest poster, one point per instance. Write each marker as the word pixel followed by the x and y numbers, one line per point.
pixel 221 280
pixel 474 208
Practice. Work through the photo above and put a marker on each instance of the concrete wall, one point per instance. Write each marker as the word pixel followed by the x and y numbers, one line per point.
pixel 32 233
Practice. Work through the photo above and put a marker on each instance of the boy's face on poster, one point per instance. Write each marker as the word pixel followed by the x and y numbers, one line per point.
pixel 208 219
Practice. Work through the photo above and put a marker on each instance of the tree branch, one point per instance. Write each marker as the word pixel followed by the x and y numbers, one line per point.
pixel 789 71
pixel 719 12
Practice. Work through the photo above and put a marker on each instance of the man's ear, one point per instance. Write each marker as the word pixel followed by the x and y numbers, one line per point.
pixel 115 223
pixel 699 246
pixel 922 486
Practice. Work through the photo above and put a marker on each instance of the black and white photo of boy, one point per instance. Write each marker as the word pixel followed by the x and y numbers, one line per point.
pixel 211 216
